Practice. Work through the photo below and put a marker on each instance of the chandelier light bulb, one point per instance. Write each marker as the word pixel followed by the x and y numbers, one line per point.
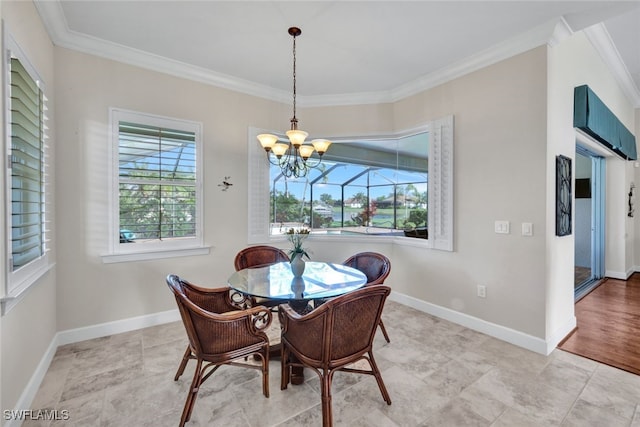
pixel 280 149
pixel 297 137
pixel 267 140
pixel 321 145
pixel 306 151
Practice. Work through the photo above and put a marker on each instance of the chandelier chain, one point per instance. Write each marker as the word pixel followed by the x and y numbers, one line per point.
pixel 294 120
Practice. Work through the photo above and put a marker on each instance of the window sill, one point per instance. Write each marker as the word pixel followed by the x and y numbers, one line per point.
pixel 159 254
pixel 354 238
pixel 396 240
pixel 412 241
pixel 11 300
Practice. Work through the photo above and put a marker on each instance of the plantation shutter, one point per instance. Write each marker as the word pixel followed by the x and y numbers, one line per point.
pixel 27 162
pixel 157 183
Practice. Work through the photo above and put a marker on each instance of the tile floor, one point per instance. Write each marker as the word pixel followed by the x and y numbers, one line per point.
pixel 437 373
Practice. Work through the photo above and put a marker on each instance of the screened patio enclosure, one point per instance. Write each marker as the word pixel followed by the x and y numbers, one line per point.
pixel 364 187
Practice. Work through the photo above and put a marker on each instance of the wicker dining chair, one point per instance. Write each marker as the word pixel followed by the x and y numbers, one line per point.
pixel 219 338
pixel 257 256
pixel 214 300
pixel 332 338
pixel 376 267
pixel 260 256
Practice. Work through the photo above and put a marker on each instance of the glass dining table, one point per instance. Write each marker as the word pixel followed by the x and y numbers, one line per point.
pixel 277 283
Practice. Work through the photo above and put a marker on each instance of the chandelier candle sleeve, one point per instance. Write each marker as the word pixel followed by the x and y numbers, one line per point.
pixel 294 158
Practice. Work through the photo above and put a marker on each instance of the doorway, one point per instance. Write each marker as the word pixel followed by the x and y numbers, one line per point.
pixel 589 220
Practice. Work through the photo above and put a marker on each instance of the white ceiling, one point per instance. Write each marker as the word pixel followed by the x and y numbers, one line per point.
pixel 349 52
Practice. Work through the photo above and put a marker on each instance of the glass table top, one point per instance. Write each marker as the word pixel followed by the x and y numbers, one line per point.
pixel 320 280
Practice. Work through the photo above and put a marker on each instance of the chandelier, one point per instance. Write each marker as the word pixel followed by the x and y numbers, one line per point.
pixel 294 158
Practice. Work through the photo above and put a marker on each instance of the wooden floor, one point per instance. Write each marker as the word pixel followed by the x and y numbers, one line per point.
pixel 608 321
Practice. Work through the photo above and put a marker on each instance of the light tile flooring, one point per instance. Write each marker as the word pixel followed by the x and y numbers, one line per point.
pixel 437 373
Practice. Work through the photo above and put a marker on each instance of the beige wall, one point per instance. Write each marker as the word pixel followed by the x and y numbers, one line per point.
pixel 91 292
pixel 28 329
pixel 500 113
pixel 499 156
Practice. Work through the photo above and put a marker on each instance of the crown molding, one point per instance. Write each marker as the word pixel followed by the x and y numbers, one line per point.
pixel 561 32
pixel 603 44
pixel 526 41
pixel 549 33
pixel 54 21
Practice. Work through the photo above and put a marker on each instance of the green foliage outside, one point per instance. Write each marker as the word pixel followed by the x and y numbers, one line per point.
pixel 154 211
pixel 287 208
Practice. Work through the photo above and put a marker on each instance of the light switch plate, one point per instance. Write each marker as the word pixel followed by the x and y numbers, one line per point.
pixel 527 229
pixel 502 227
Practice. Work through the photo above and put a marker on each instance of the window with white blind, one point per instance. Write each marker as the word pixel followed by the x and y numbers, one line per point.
pixel 157 186
pixel 26 177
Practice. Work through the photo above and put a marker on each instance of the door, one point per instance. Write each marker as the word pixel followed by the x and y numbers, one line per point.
pixel 589 221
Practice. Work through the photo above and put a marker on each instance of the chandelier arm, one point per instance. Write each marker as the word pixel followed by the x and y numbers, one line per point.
pixel 299 169
pixel 309 163
pixel 287 170
pixel 271 161
pixel 286 158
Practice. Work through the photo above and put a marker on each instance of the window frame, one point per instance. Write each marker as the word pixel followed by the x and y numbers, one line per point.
pixel 18 282
pixel 124 252
pixel 439 192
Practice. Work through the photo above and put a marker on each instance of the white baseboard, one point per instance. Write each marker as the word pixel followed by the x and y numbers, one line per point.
pixel 561 333
pixel 621 275
pixel 29 393
pixel 116 327
pixel 630 272
pixel 503 333
pixel 80 334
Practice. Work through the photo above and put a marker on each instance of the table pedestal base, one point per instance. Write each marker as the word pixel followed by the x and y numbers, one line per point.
pixel 297 372
pixel 297 375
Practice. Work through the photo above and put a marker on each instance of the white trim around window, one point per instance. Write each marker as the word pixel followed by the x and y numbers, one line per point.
pixel 28 200
pixel 144 247
pixel 440 191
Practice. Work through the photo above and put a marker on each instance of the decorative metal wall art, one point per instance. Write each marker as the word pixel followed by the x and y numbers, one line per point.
pixel 631 201
pixel 563 196
pixel 226 183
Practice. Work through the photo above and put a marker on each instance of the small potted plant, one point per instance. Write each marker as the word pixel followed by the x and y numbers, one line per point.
pixel 297 252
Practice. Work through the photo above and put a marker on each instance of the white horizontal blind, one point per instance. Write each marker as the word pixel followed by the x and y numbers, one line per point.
pixel 27 163
pixel 157 183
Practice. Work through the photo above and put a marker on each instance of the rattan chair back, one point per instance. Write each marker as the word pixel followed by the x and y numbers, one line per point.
pixel 218 338
pixel 334 337
pixel 373 264
pixel 258 256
